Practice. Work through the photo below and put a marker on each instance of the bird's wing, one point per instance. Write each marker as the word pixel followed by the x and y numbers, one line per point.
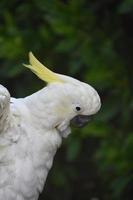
pixel 4 107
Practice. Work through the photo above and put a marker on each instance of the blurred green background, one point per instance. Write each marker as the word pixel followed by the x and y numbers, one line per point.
pixel 91 41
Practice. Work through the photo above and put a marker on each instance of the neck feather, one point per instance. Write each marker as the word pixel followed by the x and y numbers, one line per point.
pixel 41 106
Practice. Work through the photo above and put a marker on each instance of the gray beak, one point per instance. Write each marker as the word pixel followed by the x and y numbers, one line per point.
pixel 80 120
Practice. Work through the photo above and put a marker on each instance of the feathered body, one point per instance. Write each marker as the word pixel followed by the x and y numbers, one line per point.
pixel 31 130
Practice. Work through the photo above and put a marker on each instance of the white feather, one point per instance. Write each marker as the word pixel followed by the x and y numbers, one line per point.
pixel 31 132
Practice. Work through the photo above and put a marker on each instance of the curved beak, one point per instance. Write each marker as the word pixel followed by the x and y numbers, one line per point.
pixel 80 120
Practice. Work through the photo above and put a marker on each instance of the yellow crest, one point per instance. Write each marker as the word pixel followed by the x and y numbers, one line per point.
pixel 41 71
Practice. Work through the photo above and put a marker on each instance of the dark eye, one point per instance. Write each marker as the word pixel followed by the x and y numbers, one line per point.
pixel 78 108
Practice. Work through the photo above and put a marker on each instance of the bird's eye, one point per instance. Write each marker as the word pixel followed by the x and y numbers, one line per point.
pixel 78 108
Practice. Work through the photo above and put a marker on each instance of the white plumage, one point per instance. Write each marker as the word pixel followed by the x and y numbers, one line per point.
pixel 31 130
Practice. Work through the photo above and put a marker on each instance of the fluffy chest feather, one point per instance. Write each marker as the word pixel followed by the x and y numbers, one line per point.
pixel 24 164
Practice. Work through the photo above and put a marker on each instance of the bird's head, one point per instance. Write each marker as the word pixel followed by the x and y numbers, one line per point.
pixel 72 101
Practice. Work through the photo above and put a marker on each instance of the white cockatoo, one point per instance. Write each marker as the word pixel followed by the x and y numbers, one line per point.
pixel 32 128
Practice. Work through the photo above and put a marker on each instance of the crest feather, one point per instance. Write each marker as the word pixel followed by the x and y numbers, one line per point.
pixel 41 71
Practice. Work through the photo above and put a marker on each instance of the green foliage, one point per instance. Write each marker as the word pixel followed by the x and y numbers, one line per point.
pixel 92 41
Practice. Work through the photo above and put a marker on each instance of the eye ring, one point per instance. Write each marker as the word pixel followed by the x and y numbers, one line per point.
pixel 78 108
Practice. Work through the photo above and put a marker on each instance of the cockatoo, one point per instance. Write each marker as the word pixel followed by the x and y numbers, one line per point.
pixel 32 128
